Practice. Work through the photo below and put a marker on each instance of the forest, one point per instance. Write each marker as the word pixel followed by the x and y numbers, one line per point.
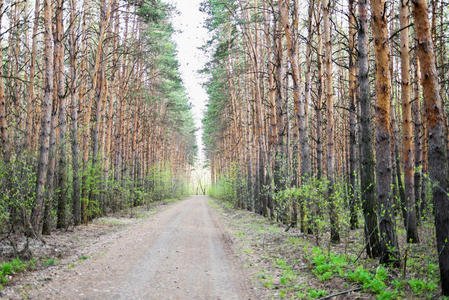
pixel 333 116
pixel 326 126
pixel 93 113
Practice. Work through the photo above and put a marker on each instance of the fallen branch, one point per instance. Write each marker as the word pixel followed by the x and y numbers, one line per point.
pixel 366 245
pixel 290 226
pixel 341 293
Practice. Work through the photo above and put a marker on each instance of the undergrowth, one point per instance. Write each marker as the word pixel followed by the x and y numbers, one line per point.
pixel 13 267
pixel 292 266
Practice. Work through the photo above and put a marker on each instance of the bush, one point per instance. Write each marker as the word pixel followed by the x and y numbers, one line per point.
pixel 17 188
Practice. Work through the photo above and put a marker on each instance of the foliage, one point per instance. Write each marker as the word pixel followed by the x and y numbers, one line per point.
pixel 17 182
pixel 315 294
pixel 422 287
pixel 327 265
pixel 9 268
pixel 229 187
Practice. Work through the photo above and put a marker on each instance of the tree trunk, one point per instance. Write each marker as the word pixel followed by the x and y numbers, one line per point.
pixel 292 46
pixel 61 176
pixel 4 141
pixel 352 119
pixel 335 235
pixel 44 138
pixel 417 121
pixel 367 179
pixel 408 154
pixel 74 116
pixel 31 94
pixel 319 114
pixel 388 240
pixel 437 155
pixel 84 101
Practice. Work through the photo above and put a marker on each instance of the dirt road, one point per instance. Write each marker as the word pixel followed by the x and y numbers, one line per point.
pixel 181 253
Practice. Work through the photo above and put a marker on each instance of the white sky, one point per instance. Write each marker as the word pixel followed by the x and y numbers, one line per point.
pixel 190 37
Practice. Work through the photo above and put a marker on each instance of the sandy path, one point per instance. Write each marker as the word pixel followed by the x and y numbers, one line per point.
pixel 181 253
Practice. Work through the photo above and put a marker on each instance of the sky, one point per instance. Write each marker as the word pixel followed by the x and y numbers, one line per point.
pixel 189 37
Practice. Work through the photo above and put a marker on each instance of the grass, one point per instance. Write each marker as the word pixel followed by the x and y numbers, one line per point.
pixel 48 262
pixel 143 215
pixel 15 266
pixel 171 200
pixel 111 222
pixel 84 257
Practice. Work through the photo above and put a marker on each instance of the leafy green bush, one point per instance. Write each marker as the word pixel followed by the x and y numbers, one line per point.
pixel 315 294
pixel 231 188
pixel 17 187
pixel 422 287
pixel 18 265
pixel 15 266
pixel 7 268
pixel 326 265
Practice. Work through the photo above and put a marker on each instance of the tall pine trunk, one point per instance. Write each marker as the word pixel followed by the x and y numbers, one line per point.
pixel 4 142
pixel 32 70
pixel 352 119
pixel 437 151
pixel 74 116
pixel 44 139
pixel 408 154
pixel 417 121
pixel 388 240
pixel 61 174
pixel 330 130
pixel 367 178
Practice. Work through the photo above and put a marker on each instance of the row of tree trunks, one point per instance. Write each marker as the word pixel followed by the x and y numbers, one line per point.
pixel 405 147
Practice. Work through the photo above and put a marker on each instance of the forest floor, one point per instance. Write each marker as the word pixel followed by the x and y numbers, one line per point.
pixel 202 248
pixel 288 264
pixel 180 251
pixel 273 257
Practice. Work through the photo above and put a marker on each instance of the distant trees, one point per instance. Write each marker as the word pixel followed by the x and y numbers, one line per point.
pixel 286 80
pixel 99 84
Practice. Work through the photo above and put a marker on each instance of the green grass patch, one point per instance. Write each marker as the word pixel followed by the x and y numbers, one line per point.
pixel 142 215
pixel 315 294
pixel 48 262
pixel 377 281
pixel 171 200
pixel 15 266
pixel 84 257
pixel 422 288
